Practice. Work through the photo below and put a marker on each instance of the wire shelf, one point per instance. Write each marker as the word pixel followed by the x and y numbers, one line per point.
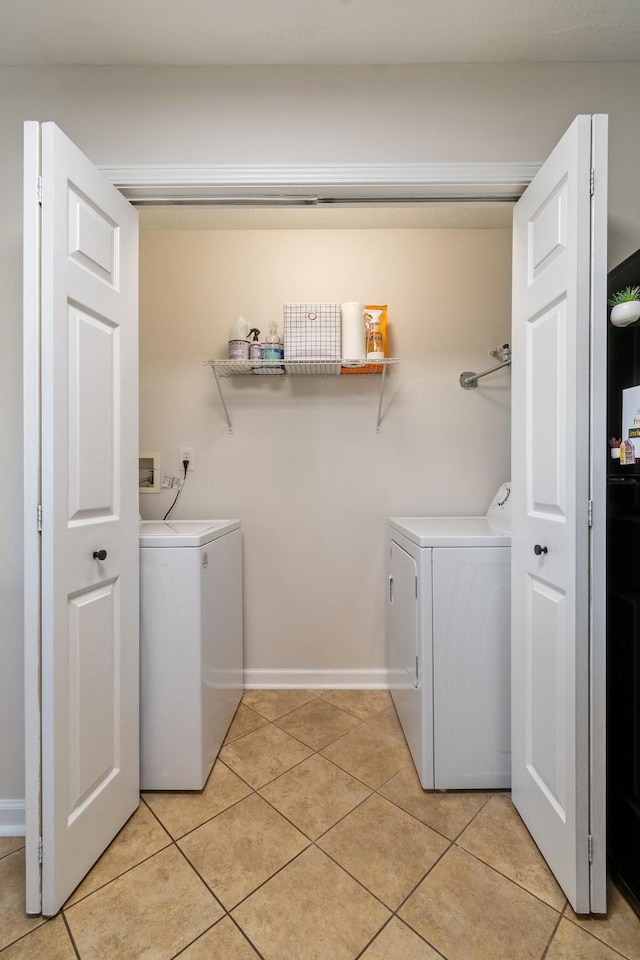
pixel 310 367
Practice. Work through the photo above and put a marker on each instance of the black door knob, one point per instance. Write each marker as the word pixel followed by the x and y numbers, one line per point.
pixel 538 549
pixel 99 554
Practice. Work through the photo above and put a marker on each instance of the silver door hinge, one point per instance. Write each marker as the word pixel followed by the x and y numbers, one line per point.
pixel 39 518
pixel 592 182
pixel 590 512
pixel 39 849
pixel 590 848
pixel 416 588
pixel 39 188
pixel 416 668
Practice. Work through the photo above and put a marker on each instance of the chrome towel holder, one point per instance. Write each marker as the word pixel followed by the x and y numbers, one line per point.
pixel 469 379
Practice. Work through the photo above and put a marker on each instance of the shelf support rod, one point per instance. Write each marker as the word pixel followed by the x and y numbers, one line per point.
pixel 469 380
pixel 379 419
pixel 224 406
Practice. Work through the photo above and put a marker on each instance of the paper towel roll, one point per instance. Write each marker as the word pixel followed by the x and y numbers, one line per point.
pixel 354 345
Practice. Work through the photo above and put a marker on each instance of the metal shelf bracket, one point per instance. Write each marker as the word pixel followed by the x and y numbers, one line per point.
pixel 223 369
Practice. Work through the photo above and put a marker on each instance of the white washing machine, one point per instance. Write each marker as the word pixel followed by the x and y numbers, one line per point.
pixel 448 644
pixel 191 660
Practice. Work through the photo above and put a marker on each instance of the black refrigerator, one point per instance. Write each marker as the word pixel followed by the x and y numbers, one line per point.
pixel 623 609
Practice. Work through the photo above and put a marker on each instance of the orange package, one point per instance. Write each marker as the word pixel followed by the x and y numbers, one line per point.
pixel 373 312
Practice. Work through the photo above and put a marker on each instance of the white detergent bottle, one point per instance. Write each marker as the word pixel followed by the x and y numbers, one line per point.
pixel 239 339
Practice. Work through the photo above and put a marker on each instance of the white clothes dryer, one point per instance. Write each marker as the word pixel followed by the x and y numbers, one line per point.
pixel 191 659
pixel 448 644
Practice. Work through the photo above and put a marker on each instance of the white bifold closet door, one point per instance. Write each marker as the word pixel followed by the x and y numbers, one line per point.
pixel 558 504
pixel 81 413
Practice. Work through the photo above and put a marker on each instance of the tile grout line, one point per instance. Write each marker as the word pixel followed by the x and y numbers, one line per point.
pixel 11 852
pixel 214 816
pixel 226 916
pixel 594 937
pixel 377 790
pixel 286 712
pixel 275 874
pixel 64 908
pixel 246 937
pixel 374 937
pixel 495 869
pixel 28 933
pixel 364 886
pixel 284 816
pixel 206 884
pixel 224 762
pixel 154 815
pixel 225 912
pixel 551 938
pixel 394 916
pixel 490 797
pixel 407 923
pixel 123 873
pixel 421 880
pixel 70 934
pixel 504 876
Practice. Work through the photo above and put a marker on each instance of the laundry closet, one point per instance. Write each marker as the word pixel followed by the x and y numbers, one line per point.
pixel 310 470
pixel 305 468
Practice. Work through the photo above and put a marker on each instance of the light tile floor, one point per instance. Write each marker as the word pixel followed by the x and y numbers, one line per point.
pixel 313 840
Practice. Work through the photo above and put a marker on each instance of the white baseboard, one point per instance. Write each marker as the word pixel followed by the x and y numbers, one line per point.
pixel 316 679
pixel 12 818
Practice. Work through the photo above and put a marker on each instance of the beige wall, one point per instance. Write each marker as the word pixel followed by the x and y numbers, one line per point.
pixel 304 469
pixel 442 112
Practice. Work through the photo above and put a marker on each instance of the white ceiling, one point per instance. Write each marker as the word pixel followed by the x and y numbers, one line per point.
pixel 204 32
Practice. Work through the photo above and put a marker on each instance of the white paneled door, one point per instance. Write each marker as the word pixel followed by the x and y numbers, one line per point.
pixel 81 403
pixel 558 452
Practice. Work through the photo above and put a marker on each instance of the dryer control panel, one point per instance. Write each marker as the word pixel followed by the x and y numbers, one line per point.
pixel 500 506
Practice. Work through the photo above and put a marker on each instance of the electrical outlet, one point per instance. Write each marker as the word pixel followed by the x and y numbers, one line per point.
pixel 187 453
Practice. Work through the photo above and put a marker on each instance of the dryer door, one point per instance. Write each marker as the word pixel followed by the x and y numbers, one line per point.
pixel 403 619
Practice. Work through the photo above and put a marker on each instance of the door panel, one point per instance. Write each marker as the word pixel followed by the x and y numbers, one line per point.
pixel 556 261
pixel 89 458
pixel 548 231
pixel 92 238
pixel 93 366
pixel 545 692
pixel 93 721
pixel 546 349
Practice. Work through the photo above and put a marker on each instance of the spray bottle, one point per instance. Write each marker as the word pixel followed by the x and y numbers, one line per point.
pixel 255 347
pixel 375 343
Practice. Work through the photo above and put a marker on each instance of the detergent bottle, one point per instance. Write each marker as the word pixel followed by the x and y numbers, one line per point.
pixel 239 339
pixel 272 348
